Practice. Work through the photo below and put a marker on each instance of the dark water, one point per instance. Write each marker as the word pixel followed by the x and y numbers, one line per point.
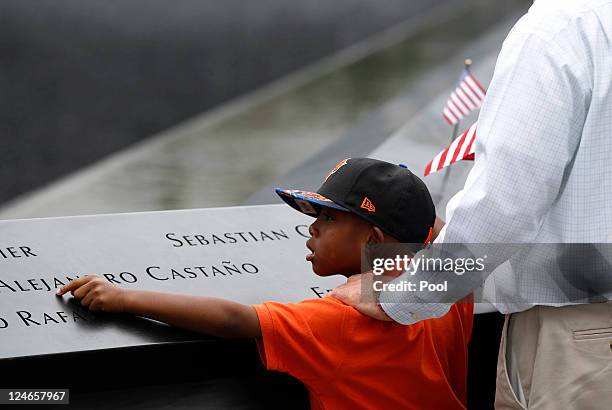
pixel 81 79
pixel 318 119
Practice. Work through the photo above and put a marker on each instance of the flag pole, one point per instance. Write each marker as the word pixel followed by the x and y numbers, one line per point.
pixel 455 131
pixel 468 63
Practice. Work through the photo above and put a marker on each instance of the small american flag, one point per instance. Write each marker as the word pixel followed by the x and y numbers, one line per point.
pixel 464 99
pixel 461 148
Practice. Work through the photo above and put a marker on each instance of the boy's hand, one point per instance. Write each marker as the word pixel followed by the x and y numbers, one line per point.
pixel 96 294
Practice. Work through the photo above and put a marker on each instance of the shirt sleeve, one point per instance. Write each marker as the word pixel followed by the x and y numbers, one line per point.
pixel 529 129
pixel 302 339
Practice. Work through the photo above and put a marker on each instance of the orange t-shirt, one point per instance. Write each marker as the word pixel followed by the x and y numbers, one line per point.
pixel 349 360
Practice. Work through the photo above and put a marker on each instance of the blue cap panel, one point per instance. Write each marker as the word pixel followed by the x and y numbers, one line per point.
pixel 308 203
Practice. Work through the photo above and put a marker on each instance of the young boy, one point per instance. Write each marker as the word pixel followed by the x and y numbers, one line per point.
pixel 345 359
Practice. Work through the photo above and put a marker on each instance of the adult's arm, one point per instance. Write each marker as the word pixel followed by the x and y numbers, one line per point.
pixel 528 131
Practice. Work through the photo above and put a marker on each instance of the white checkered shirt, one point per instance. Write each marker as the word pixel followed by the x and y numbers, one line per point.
pixel 543 169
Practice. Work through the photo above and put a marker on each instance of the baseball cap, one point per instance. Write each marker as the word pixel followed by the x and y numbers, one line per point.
pixel 386 195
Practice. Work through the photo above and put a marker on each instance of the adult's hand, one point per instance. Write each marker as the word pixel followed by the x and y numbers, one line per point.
pixel 353 294
pixel 438 225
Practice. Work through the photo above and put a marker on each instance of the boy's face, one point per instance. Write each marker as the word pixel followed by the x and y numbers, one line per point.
pixel 335 243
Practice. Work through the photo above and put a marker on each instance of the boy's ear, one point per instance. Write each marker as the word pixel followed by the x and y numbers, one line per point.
pixel 377 236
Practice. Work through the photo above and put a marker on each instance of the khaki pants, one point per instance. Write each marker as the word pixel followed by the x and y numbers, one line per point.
pixel 556 358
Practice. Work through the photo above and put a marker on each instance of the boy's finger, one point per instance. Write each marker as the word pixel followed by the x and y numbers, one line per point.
pixel 73 284
pixel 87 299
pixel 82 291
pixel 94 306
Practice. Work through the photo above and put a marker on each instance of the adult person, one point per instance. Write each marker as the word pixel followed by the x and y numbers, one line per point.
pixel 542 175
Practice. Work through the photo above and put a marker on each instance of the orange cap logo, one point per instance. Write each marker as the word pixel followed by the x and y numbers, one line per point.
pixel 367 205
pixel 337 167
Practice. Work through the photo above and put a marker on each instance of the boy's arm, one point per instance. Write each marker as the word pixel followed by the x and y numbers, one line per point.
pixel 217 317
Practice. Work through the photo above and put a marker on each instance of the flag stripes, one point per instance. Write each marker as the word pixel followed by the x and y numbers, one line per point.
pixel 464 99
pixel 461 148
